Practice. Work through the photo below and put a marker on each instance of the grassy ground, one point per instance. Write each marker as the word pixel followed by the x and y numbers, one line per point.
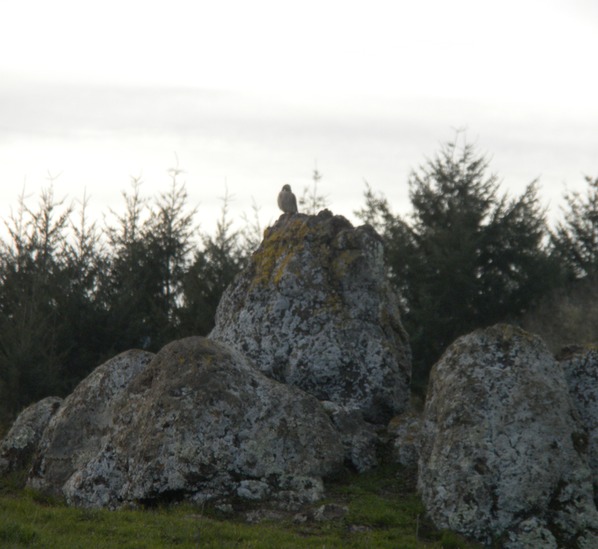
pixel 382 511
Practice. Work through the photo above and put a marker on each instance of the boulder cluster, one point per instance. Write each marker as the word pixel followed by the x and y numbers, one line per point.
pixel 306 373
pixel 307 360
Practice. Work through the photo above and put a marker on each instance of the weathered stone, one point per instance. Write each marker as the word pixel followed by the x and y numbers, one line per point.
pixel 359 438
pixel 330 512
pixel 200 423
pixel 580 364
pixel 530 533
pixel 314 309
pixel 405 433
pixel 503 450
pixel 21 442
pixel 77 431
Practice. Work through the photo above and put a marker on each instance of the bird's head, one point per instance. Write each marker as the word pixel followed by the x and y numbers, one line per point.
pixel 286 188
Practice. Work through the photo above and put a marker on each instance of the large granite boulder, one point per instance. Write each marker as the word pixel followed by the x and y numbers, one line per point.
pixel 314 309
pixel 77 431
pixel 503 456
pixel 19 445
pixel 200 423
pixel 580 364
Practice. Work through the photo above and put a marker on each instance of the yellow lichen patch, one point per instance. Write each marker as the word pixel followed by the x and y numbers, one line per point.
pixel 591 347
pixel 282 266
pixel 285 243
pixel 277 250
pixel 265 259
pixel 272 262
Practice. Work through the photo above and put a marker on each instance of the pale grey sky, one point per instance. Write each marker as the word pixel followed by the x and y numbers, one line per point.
pixel 254 94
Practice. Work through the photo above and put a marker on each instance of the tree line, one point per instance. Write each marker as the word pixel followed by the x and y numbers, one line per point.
pixel 468 256
pixel 73 294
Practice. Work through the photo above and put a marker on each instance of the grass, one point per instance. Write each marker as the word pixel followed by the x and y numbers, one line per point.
pixel 383 512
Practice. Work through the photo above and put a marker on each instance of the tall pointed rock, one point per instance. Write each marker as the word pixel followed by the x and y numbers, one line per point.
pixel 314 309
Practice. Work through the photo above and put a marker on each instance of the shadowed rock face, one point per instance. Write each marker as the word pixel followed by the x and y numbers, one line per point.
pixel 21 442
pixel 76 432
pixel 580 364
pixel 199 423
pixel 503 453
pixel 314 309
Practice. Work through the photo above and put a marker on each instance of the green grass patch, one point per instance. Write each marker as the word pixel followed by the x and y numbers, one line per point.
pixel 383 512
pixel 12 482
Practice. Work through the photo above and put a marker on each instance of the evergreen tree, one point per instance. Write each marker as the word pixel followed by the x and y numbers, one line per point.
pixel 169 233
pixel 575 239
pixel 213 269
pixel 150 248
pixel 32 324
pixel 81 310
pixel 467 257
pixel 253 233
pixel 131 280
pixel 311 201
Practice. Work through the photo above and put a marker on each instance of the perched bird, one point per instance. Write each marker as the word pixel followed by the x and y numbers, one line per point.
pixel 287 201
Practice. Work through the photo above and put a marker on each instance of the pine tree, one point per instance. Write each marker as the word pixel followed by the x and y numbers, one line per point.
pixel 170 234
pixel 85 263
pixel 467 256
pixel 213 269
pixel 32 324
pixel 311 201
pixel 575 239
pixel 130 281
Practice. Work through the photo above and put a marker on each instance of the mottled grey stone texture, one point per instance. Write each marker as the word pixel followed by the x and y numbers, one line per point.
pixel 580 364
pixel 86 418
pixel 314 309
pixel 503 453
pixel 20 443
pixel 199 423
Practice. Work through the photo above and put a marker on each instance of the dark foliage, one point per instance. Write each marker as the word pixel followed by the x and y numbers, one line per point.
pixel 468 256
pixel 212 270
pixel 73 295
pixel 575 239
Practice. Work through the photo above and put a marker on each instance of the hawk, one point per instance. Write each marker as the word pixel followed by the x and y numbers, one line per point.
pixel 287 201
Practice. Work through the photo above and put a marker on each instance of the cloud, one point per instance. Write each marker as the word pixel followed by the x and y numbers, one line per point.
pixel 99 135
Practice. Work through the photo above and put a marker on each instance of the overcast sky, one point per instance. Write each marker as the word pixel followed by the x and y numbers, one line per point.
pixel 251 95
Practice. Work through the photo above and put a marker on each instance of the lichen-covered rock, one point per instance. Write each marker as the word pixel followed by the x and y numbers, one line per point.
pixel 314 309
pixel 530 533
pixel 580 364
pixel 20 443
pixel 360 439
pixel 77 431
pixel 405 434
pixel 503 450
pixel 202 424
